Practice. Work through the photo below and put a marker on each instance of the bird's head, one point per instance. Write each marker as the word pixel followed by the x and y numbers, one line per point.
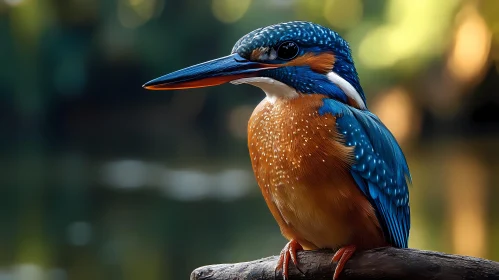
pixel 285 60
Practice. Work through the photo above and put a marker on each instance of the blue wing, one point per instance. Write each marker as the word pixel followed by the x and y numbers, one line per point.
pixel 380 169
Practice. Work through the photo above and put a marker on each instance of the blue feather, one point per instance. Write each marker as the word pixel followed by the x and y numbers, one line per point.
pixel 380 169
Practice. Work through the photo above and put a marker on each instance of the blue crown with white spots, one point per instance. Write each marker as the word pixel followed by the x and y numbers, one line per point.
pixel 306 34
pixel 310 37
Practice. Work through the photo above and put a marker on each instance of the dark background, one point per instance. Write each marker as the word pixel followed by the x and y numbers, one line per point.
pixel 101 179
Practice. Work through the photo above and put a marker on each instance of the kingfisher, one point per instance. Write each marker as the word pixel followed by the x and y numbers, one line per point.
pixel 333 176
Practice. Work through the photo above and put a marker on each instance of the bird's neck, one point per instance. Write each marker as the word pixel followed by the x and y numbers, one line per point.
pixel 331 85
pixel 355 96
pixel 346 77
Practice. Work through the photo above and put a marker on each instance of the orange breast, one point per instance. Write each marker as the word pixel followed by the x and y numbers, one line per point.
pixel 302 168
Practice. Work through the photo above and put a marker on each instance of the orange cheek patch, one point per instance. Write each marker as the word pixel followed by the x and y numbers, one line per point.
pixel 321 63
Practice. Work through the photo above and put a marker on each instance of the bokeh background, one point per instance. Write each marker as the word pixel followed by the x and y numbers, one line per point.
pixel 101 179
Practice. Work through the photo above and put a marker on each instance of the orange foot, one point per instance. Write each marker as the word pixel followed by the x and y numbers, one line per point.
pixel 289 251
pixel 341 257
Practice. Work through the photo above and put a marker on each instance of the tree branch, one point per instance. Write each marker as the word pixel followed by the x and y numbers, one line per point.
pixel 383 263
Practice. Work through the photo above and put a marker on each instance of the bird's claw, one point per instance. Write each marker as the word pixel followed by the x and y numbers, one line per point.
pixel 341 257
pixel 288 252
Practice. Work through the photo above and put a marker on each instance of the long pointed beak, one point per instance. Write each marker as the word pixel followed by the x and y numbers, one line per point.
pixel 210 73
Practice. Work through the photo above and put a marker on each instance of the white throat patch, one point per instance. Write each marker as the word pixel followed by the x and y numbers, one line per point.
pixel 272 88
pixel 347 88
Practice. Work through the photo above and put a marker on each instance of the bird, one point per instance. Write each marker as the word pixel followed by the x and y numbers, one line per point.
pixel 331 173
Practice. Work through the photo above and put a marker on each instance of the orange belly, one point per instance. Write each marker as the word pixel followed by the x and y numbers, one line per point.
pixel 302 169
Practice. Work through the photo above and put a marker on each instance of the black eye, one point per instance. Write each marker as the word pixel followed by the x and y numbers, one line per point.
pixel 287 50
